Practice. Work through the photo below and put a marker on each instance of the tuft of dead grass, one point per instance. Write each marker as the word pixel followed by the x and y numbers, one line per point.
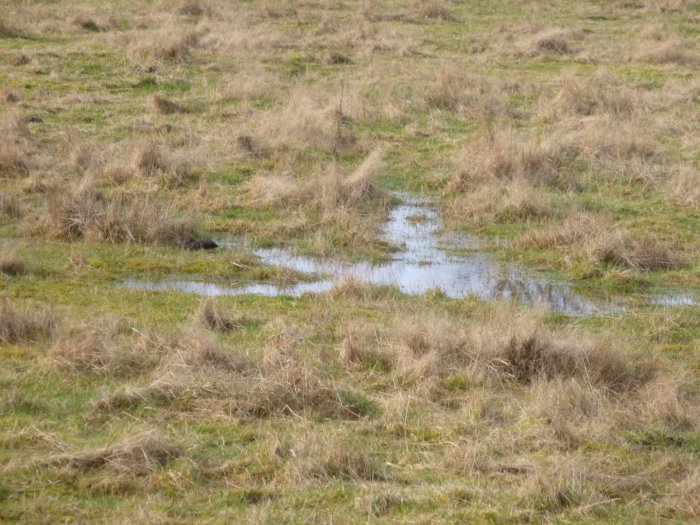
pixel 14 158
pixel 133 456
pixel 672 51
pixel 165 106
pixel 327 192
pixel 11 264
pixel 213 316
pixel 148 158
pixel 433 10
pixel 596 241
pixel 500 201
pixel 10 205
pixel 594 94
pixel 549 41
pixel 165 45
pixel 686 187
pixel 501 156
pixel 17 327
pixel 83 212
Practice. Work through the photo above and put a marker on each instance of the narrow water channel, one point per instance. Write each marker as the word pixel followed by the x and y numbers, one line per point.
pixel 422 263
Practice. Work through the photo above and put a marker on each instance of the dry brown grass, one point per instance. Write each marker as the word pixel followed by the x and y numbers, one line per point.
pixel 165 45
pixel 11 264
pixel 105 351
pixel 502 156
pixel 595 94
pixel 213 316
pixel 549 41
pixel 133 456
pixel 14 158
pixel 433 10
pixel 17 327
pixel 329 191
pixel 83 212
pixel 513 200
pixel 600 243
pixel 165 106
pixel 672 51
pixel 686 187
pixel 509 346
pixel 10 205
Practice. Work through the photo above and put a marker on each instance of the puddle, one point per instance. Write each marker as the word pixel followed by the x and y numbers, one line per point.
pixel 422 264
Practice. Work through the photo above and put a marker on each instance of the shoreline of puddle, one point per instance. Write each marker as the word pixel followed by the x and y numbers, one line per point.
pixel 422 264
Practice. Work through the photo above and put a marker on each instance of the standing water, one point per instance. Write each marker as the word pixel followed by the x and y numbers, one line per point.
pixel 421 264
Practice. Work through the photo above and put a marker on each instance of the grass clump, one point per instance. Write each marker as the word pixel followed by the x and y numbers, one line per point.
pixel 11 264
pixel 83 212
pixel 18 327
pixel 597 242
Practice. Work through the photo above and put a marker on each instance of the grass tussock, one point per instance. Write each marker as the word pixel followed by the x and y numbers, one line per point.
pixel 83 212
pixel 686 187
pixel 10 206
pixel 505 347
pixel 134 456
pixel 18 327
pixel 515 200
pixel 104 351
pixel 548 42
pixel 457 91
pixel 591 95
pixel 327 192
pixel 165 106
pixel 11 264
pixel 596 242
pixel 214 317
pixel 434 10
pixel 501 156
pixel 672 51
pixel 14 156
pixel 165 45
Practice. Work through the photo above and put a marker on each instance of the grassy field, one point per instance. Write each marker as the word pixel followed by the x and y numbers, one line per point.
pixel 564 134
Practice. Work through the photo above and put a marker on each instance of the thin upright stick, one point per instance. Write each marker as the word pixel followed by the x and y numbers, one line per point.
pixel 291 2
pixel 339 135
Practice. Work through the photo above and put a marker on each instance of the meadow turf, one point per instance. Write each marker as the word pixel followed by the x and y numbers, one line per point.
pixel 566 135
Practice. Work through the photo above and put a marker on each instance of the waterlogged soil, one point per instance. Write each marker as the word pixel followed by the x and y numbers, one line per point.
pixel 425 261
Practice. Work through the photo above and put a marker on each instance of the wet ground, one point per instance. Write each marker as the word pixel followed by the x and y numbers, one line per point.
pixel 423 263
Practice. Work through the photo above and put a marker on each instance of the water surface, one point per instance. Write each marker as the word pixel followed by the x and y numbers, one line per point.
pixel 422 263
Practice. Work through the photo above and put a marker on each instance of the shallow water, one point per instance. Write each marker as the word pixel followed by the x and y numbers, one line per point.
pixel 421 264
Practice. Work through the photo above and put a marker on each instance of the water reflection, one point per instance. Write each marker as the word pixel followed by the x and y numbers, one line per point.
pixel 422 264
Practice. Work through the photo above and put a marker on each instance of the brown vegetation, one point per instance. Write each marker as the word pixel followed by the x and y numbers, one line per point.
pixel 11 264
pixel 17 327
pixel 83 212
pixel 14 159
pixel 599 243
pixel 328 191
